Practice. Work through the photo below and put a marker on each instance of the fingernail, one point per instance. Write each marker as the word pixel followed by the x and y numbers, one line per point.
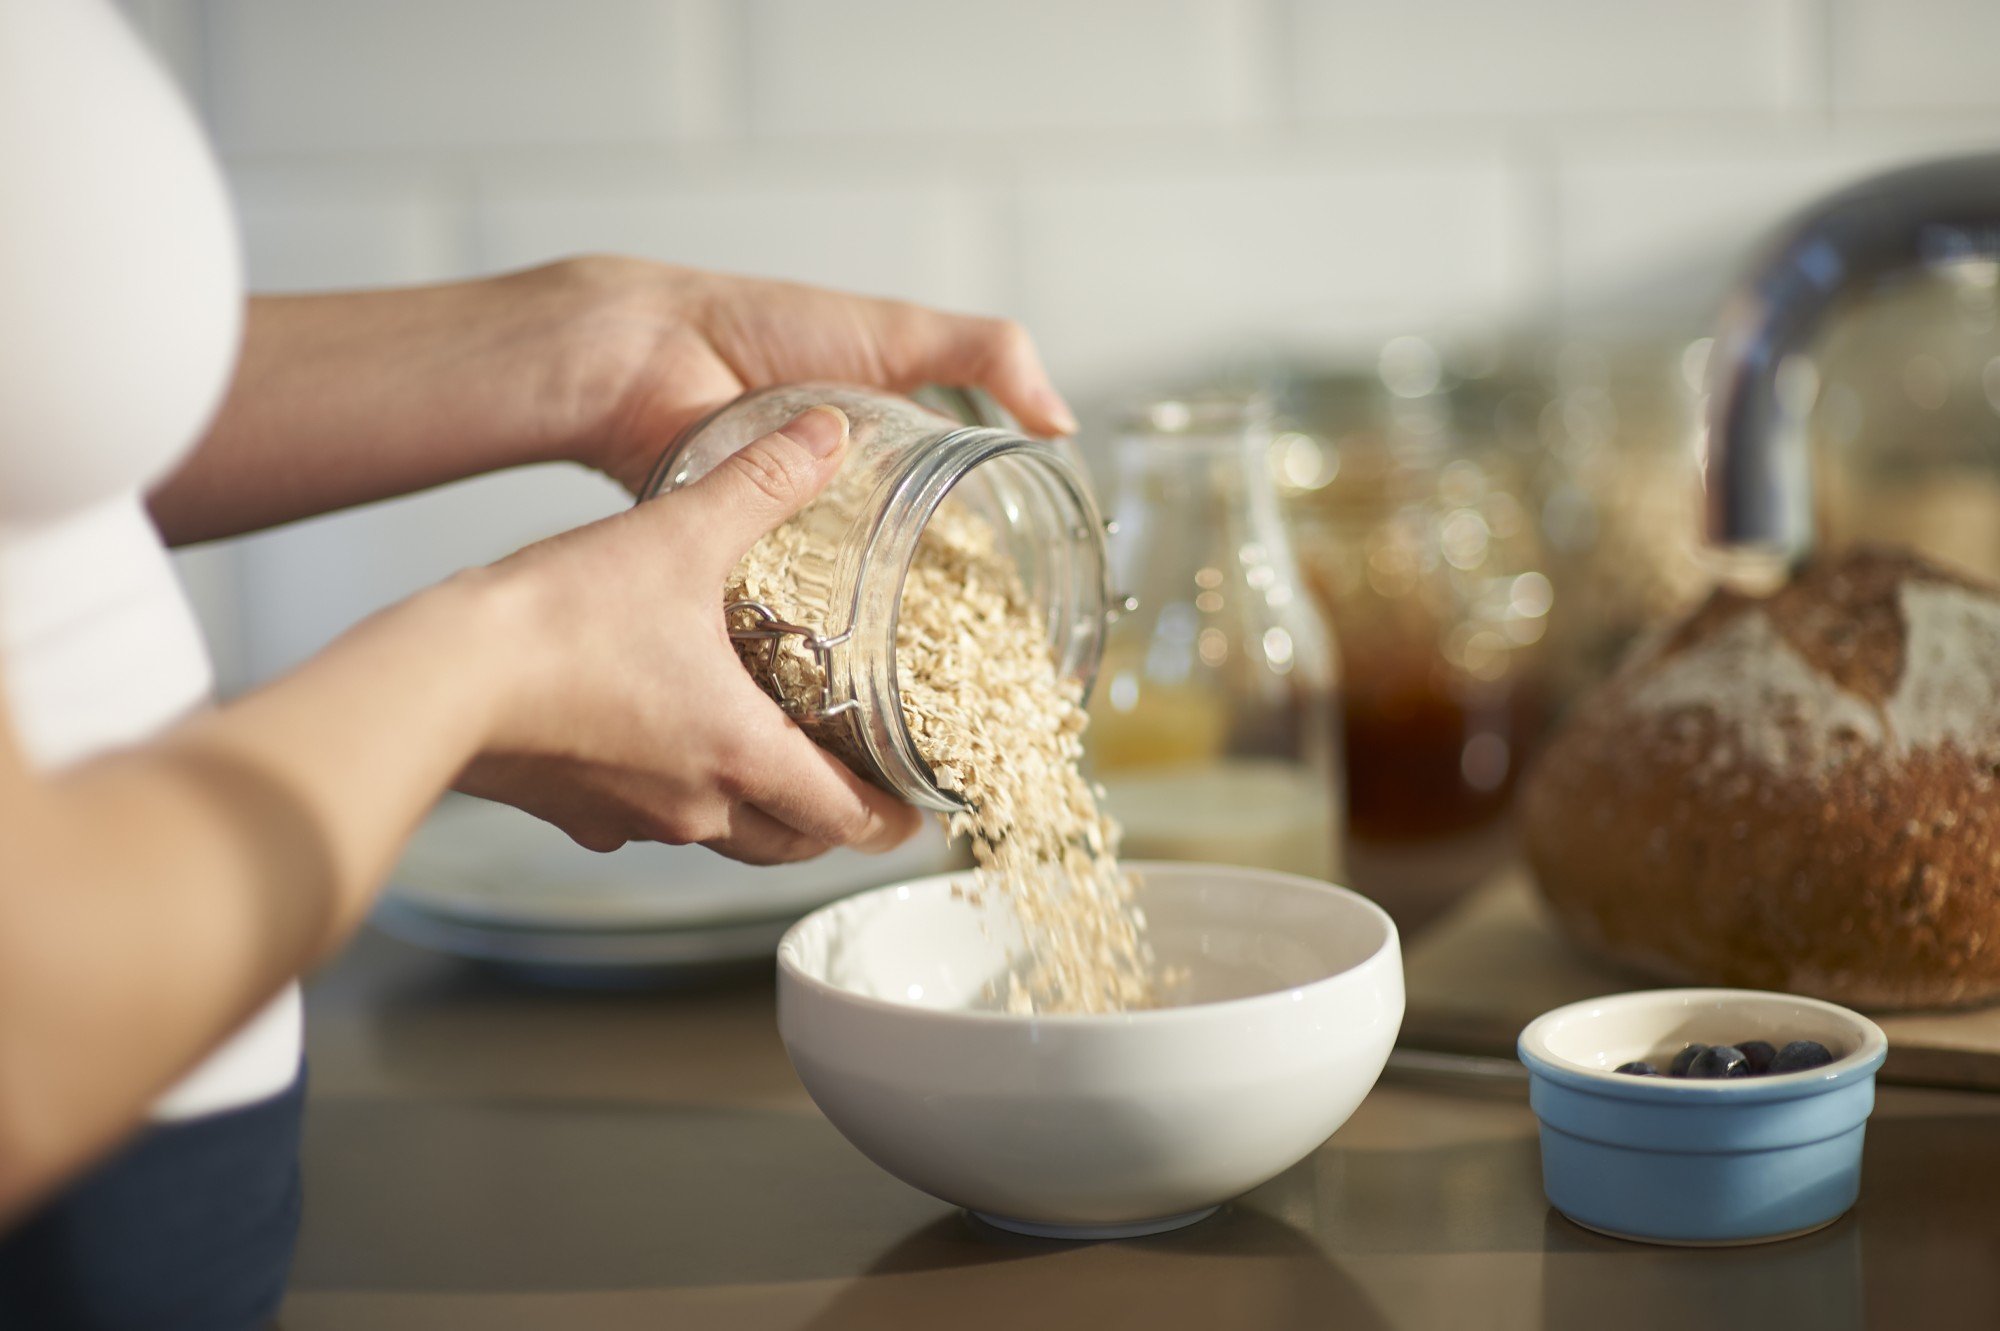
pixel 1061 415
pixel 819 430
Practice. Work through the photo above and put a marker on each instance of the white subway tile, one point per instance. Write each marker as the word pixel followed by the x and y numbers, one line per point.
pixel 1133 275
pixel 1656 238
pixel 1538 57
pixel 971 66
pixel 303 585
pixel 706 84
pixel 1803 71
pixel 305 229
pixel 308 74
pixel 857 229
pixel 1916 54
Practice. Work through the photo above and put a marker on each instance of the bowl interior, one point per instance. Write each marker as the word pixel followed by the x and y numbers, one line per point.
pixel 1233 933
pixel 1600 1034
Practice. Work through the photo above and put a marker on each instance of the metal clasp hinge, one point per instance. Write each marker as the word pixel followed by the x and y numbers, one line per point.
pixel 768 630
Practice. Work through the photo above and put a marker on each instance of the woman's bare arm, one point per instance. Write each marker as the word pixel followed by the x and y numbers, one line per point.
pixel 343 398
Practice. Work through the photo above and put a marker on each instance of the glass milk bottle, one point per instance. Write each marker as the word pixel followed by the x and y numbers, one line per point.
pixel 1212 727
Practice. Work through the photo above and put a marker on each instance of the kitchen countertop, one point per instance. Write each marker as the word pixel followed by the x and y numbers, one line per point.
pixel 485 1155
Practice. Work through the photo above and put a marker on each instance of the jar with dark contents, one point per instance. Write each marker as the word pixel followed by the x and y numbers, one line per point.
pixel 826 650
pixel 1419 545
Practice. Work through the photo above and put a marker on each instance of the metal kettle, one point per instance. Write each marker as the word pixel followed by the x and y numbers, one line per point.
pixel 1755 459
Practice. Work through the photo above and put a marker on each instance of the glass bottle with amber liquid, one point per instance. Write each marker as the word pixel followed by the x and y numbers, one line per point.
pixel 1213 725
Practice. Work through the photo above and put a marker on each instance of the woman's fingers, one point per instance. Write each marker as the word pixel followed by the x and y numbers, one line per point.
pixel 759 486
pixel 809 790
pixel 920 345
pixel 755 837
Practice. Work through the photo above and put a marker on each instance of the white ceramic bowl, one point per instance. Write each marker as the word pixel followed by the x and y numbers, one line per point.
pixel 1094 1126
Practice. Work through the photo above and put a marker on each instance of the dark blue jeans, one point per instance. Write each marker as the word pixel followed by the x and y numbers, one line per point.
pixel 188 1227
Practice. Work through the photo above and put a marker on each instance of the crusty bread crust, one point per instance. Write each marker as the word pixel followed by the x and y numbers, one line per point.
pixel 1797 793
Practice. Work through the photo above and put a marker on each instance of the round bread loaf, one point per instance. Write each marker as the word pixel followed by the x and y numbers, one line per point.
pixel 1799 792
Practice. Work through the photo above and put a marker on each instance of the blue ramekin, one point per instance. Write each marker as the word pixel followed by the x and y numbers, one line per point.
pixel 1666 1160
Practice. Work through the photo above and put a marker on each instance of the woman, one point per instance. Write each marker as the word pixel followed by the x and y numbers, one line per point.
pixel 169 868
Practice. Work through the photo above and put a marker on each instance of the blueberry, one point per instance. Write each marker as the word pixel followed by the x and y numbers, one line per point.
pixel 1685 1059
pixel 1801 1056
pixel 1637 1069
pixel 1724 1060
pixel 1760 1053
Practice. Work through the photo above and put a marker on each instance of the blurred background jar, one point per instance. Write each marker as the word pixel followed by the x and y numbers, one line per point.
pixel 1617 493
pixel 1489 524
pixel 1214 723
pixel 1417 543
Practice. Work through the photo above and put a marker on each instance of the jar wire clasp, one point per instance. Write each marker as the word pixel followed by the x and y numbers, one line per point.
pixel 769 630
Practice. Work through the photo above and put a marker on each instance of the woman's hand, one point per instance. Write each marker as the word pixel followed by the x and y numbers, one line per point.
pixel 653 348
pixel 630 716
pixel 640 722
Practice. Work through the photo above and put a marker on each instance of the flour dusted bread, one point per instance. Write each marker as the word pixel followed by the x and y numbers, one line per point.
pixel 1800 792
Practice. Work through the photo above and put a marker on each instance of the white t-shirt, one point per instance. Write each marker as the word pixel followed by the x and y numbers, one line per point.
pixel 120 309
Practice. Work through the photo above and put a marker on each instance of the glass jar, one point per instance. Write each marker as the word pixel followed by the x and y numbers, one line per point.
pixel 904 462
pixel 1418 545
pixel 1619 498
pixel 1214 735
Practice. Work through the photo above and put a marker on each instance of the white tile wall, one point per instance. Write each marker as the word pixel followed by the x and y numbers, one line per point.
pixel 1916 54
pixel 1538 57
pixel 1156 267
pixel 394 74
pixel 860 226
pixel 306 229
pixel 892 67
pixel 1151 184
pixel 304 584
pixel 1653 237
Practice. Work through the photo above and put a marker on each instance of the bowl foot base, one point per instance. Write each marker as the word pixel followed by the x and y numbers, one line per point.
pixel 1131 1229
pixel 1751 1241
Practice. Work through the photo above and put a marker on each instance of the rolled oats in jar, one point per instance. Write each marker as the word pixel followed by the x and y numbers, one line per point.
pixel 814 608
pixel 935 617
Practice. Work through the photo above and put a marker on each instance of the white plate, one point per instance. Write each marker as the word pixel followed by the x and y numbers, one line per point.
pixel 474 862
pixel 594 957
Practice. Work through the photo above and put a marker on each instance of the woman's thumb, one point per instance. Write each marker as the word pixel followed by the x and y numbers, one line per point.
pixel 763 483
